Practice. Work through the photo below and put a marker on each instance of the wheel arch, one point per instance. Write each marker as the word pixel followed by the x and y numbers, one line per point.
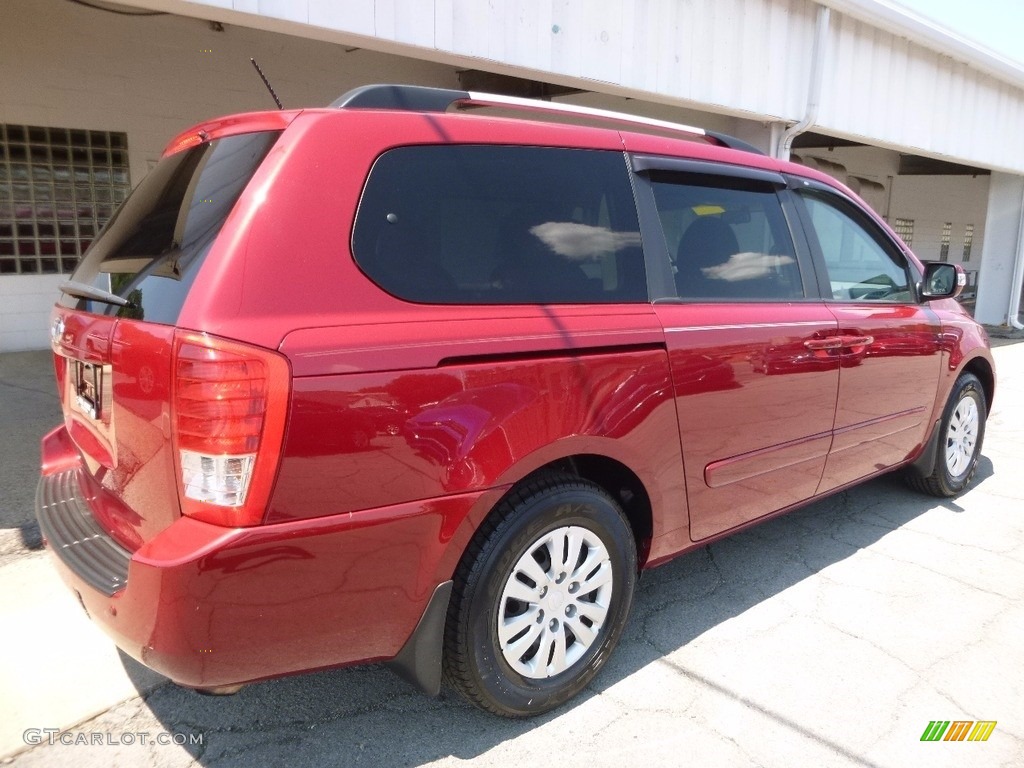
pixel 618 481
pixel 982 368
pixel 419 660
pixel 492 590
pixel 639 499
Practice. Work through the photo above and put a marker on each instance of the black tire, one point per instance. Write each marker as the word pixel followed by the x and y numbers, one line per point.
pixel 951 474
pixel 559 507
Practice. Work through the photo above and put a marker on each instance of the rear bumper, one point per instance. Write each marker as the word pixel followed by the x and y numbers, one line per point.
pixel 68 525
pixel 209 606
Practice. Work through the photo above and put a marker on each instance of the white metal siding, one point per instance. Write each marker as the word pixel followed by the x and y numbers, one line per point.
pixel 740 57
pixel 886 90
pixel 736 55
pixel 747 58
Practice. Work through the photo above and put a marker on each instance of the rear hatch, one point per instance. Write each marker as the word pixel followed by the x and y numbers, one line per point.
pixel 114 332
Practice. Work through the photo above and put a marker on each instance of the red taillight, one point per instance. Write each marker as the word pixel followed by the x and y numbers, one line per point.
pixel 229 409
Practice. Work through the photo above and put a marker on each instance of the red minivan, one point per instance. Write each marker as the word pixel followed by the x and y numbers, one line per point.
pixel 400 381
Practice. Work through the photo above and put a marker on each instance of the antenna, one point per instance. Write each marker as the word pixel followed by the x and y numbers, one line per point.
pixel 267 83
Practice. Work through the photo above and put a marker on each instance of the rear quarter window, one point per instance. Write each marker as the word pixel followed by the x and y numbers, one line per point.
pixel 152 248
pixel 453 224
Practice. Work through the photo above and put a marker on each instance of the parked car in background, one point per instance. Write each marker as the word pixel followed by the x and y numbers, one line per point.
pixel 394 381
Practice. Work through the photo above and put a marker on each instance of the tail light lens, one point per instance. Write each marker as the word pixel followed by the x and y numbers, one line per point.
pixel 228 411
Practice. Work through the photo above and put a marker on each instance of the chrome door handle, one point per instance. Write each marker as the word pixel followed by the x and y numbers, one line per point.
pixel 829 342
pixel 857 341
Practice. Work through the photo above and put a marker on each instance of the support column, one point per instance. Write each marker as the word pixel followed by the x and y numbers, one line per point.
pixel 1002 248
pixel 764 136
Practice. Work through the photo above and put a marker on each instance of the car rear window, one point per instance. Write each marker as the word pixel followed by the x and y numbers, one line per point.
pixel 457 224
pixel 152 248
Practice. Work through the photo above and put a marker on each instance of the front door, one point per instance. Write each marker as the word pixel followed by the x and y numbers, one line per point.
pixel 890 357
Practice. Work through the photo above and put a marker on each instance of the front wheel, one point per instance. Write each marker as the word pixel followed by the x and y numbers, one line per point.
pixel 540 598
pixel 961 432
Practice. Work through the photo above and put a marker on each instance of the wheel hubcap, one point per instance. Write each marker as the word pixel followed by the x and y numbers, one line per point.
pixel 555 602
pixel 962 436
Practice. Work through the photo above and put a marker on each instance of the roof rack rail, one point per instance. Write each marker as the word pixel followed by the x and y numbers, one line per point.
pixel 419 98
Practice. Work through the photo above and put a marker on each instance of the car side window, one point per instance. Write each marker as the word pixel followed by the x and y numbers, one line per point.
pixel 727 238
pixel 470 224
pixel 859 264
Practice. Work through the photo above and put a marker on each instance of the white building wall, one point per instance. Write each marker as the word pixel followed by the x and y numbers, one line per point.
pixel 869 171
pixel 931 202
pixel 748 58
pixel 152 77
pixel 740 57
pixel 886 90
pixel 25 303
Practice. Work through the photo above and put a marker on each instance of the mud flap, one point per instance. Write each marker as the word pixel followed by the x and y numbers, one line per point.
pixel 925 463
pixel 419 661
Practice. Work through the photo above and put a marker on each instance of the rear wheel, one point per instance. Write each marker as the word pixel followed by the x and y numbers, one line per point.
pixel 962 430
pixel 541 597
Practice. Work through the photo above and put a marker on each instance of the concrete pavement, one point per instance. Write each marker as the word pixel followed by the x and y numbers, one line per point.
pixel 56 667
pixel 28 409
pixel 830 636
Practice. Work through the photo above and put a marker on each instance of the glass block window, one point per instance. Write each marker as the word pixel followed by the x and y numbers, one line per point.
pixel 905 229
pixel 947 230
pixel 968 241
pixel 58 186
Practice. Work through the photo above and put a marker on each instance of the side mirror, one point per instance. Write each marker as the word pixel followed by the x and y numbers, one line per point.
pixel 942 280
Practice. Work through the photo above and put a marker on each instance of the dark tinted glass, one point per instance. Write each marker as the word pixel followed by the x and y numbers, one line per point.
pixel 727 238
pixel 152 248
pixel 501 225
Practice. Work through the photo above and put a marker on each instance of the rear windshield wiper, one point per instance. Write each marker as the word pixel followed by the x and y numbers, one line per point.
pixel 84 291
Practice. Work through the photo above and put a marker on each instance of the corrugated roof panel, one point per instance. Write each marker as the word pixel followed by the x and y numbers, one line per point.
pixel 888 78
pixel 743 56
pixel 895 92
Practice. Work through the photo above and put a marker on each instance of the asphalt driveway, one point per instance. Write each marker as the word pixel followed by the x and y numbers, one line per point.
pixel 831 636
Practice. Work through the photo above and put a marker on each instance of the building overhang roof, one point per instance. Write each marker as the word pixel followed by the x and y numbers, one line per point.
pixel 903 22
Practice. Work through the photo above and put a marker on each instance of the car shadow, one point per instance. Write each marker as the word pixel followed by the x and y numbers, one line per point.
pixel 367 716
